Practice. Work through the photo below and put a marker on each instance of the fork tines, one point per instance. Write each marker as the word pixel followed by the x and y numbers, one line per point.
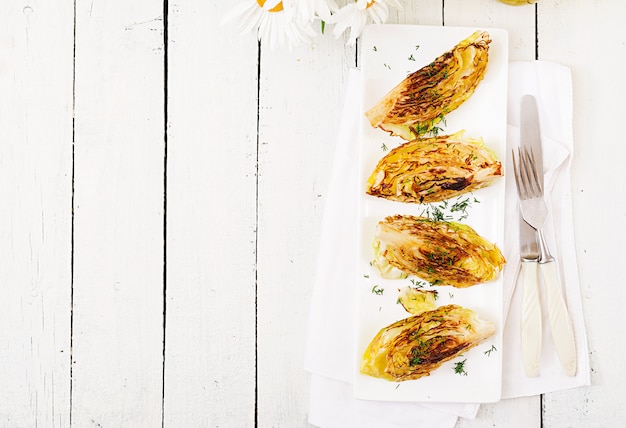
pixel 529 184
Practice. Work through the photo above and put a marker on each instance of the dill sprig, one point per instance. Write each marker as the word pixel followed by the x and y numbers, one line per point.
pixel 459 368
pixel 377 290
pixel 450 211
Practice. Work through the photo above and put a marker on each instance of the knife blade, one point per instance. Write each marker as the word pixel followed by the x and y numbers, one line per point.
pixel 560 323
pixel 530 133
pixel 531 322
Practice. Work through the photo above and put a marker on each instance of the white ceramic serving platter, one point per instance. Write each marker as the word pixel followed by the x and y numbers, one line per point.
pixel 388 54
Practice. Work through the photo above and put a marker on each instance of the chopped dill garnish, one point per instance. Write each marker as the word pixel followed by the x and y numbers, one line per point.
pixel 459 368
pixel 446 211
pixel 490 350
pixel 377 290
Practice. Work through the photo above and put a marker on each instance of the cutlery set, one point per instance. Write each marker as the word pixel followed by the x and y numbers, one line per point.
pixel 535 255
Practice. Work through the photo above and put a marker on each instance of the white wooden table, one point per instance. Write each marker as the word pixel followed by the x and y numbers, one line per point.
pixel 162 182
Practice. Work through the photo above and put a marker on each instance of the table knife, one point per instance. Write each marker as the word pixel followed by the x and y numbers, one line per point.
pixel 560 323
pixel 531 325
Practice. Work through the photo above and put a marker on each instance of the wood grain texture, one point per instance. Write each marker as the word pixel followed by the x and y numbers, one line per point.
pixel 118 227
pixel 596 54
pixel 513 413
pixel 300 93
pixel 421 12
pixel 210 360
pixel 296 141
pixel 298 128
pixel 173 288
pixel 35 219
pixel 519 21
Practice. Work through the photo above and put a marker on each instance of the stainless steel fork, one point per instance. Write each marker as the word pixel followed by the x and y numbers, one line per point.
pixel 530 193
pixel 534 210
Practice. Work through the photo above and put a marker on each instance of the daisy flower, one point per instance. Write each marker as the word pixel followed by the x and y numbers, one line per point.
pixel 276 22
pixel 313 9
pixel 356 15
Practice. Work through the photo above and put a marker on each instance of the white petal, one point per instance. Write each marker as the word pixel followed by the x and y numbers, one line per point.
pixel 379 13
pixel 362 4
pixel 342 19
pixel 331 5
pixel 271 4
pixel 358 23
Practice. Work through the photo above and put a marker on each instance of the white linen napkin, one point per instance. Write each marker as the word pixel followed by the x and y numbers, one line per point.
pixel 551 84
pixel 330 348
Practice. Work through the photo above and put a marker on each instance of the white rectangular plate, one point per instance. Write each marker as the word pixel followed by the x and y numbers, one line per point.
pixel 388 54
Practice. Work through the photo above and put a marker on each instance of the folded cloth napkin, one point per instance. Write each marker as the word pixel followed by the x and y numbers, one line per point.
pixel 330 348
pixel 551 84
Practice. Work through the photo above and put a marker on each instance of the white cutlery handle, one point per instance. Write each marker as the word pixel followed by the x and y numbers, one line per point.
pixel 531 319
pixel 562 333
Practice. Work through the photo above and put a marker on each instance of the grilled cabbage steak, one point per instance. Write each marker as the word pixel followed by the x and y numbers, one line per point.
pixel 422 99
pixel 413 347
pixel 433 169
pixel 415 300
pixel 440 252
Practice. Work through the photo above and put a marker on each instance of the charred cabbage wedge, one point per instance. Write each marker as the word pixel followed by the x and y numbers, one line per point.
pixel 413 347
pixel 415 300
pixel 440 252
pixel 434 169
pixel 422 99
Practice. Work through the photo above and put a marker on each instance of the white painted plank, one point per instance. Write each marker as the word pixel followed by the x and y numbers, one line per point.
pixel 514 413
pixel 421 12
pixel 211 220
pixel 35 219
pixel 119 200
pixel 595 49
pixel 118 242
pixel 300 102
pixel 519 21
pixel 300 107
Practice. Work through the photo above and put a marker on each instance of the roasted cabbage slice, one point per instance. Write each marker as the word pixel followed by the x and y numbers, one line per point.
pixel 434 169
pixel 413 347
pixel 422 99
pixel 440 252
pixel 417 300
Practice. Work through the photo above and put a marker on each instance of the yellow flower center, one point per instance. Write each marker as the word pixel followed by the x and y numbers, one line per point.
pixel 370 4
pixel 276 8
